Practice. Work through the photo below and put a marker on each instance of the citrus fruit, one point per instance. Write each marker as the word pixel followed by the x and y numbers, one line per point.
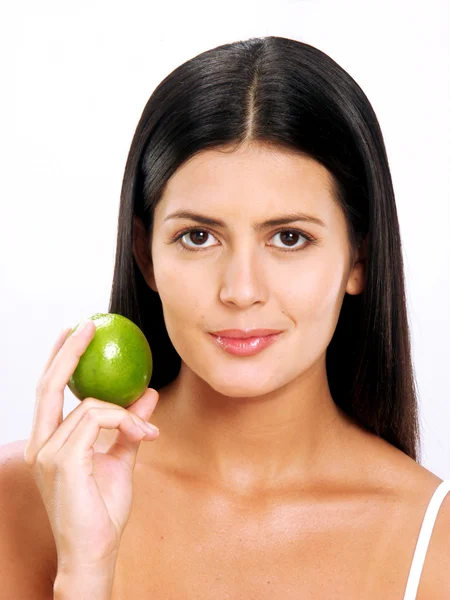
pixel 117 365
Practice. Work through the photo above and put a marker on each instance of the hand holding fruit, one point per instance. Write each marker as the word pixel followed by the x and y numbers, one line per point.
pixel 87 494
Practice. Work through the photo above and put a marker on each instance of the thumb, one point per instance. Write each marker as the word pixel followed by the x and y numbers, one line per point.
pixel 145 405
pixel 123 448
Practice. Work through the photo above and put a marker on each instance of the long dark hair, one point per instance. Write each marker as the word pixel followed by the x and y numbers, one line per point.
pixel 286 93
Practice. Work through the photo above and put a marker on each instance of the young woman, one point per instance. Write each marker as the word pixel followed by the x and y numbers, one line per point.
pixel 259 251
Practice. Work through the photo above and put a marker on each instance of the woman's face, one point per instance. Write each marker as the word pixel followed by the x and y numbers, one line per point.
pixel 240 275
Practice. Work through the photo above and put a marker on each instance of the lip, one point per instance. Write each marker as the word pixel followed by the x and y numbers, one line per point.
pixel 243 334
pixel 245 346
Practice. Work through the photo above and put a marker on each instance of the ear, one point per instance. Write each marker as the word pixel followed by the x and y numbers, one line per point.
pixel 141 252
pixel 357 278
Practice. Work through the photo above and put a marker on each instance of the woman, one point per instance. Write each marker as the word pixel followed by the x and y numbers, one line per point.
pixel 257 203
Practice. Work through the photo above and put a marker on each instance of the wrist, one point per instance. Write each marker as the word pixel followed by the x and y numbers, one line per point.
pixel 84 582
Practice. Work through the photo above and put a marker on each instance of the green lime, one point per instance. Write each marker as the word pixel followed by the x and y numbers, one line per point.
pixel 117 365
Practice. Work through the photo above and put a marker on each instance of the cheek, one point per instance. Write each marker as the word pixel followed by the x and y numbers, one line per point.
pixel 315 298
pixel 182 292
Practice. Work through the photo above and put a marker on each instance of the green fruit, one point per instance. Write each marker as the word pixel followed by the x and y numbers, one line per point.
pixel 117 365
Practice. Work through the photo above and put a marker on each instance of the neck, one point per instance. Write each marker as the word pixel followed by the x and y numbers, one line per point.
pixel 294 435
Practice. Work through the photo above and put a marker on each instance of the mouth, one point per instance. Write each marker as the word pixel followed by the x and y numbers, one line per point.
pixel 245 346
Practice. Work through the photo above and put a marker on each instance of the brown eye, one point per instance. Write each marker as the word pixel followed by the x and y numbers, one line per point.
pixel 197 235
pixel 195 238
pixel 290 237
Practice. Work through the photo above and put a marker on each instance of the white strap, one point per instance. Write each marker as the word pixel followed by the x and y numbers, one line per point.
pixel 424 539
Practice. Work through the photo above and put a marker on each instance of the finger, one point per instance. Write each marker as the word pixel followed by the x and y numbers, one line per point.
pixel 54 351
pixel 79 445
pixel 122 448
pixel 66 361
pixel 50 394
pixel 65 429
pixel 56 348
pixel 125 449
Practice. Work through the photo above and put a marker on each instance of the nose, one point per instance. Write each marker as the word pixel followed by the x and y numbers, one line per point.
pixel 243 280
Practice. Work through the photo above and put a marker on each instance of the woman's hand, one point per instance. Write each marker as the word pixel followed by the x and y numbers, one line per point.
pixel 87 494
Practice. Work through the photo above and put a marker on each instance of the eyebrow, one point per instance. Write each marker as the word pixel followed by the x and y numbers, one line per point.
pixel 278 220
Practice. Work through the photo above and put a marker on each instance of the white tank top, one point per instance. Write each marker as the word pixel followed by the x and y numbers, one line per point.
pixel 424 539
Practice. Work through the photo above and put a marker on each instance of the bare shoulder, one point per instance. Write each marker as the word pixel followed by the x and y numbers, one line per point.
pixel 27 543
pixel 435 578
pixel 416 485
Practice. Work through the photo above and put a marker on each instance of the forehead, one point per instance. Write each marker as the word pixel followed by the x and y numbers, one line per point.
pixel 255 178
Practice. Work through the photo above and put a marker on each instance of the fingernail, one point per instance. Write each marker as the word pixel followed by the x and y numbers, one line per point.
pixel 152 428
pixel 82 326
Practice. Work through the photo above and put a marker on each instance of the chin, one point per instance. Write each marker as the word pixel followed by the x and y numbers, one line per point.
pixel 236 389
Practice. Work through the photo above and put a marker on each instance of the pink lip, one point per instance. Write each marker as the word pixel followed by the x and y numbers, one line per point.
pixel 245 346
pixel 244 333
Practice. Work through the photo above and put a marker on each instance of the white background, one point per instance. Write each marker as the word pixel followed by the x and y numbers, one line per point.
pixel 75 79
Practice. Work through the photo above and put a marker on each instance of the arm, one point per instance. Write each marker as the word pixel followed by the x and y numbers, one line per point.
pixel 27 552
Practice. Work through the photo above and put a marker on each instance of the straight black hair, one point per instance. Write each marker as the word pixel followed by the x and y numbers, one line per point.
pixel 291 95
